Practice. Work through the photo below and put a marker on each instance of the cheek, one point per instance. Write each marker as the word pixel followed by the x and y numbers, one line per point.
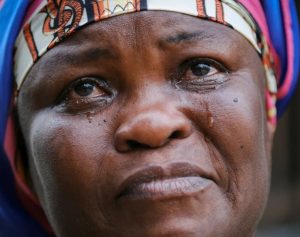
pixel 69 162
pixel 233 119
pixel 241 124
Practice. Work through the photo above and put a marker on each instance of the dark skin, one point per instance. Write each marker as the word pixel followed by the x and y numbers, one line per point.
pixel 141 126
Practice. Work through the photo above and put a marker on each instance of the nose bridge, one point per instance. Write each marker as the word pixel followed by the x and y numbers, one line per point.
pixel 151 126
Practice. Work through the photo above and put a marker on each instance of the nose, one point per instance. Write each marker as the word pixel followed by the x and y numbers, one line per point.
pixel 151 129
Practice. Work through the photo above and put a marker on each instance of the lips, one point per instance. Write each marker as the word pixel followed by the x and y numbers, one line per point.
pixel 164 182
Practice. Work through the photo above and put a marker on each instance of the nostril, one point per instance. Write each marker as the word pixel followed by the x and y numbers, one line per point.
pixel 132 144
pixel 175 135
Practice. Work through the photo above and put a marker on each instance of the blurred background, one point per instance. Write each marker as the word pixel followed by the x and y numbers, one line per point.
pixel 282 216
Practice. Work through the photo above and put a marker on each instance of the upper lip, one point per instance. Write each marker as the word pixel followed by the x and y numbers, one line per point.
pixel 157 172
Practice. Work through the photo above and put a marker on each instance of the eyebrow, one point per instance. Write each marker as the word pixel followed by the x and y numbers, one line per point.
pixel 77 56
pixel 183 37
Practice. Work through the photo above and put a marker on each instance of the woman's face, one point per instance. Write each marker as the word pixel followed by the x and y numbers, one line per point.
pixel 148 124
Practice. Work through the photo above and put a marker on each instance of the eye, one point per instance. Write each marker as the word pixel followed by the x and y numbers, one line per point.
pixel 87 88
pixel 84 89
pixel 85 94
pixel 202 68
pixel 201 75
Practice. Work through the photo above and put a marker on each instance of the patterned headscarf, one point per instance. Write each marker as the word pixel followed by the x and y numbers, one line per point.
pixel 31 28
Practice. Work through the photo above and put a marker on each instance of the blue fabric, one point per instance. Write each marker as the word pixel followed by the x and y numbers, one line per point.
pixel 11 16
pixel 277 33
pixel 14 220
pixel 282 104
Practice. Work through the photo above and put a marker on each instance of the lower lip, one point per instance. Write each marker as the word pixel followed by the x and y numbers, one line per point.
pixel 166 189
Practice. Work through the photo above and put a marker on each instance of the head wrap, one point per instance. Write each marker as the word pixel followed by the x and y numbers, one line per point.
pixel 270 26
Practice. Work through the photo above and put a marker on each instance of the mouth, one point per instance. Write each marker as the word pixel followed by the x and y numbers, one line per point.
pixel 173 181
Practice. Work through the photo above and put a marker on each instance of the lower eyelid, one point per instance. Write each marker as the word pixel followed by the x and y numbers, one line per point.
pixel 203 84
pixel 81 106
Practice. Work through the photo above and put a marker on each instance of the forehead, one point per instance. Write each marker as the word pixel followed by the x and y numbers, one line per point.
pixel 150 25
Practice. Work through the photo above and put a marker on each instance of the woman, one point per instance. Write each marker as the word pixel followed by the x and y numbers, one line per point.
pixel 142 118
